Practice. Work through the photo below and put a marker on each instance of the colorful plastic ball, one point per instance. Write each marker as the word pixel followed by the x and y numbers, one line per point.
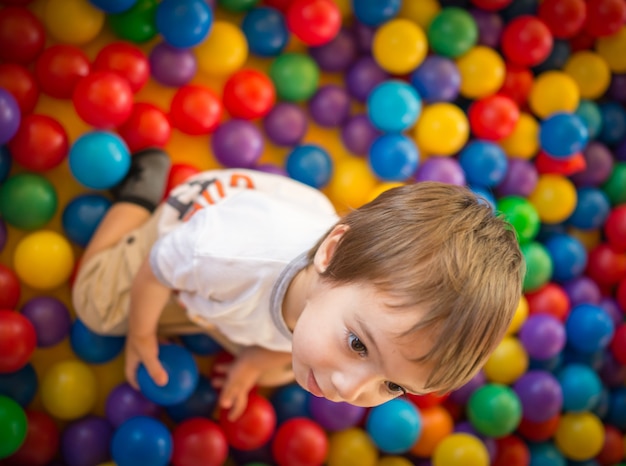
pixel 604 18
pixel 290 401
pixel 581 387
pixel 22 35
pixel 613 122
pixel 485 163
pixel 124 402
pixel 28 201
pixel 554 198
pixel 591 210
pixel 522 215
pixel 460 449
pixel 442 169
pixel 115 6
pixel 200 344
pixel 99 159
pixel 137 23
pixel 10 116
pixel 589 112
pixel 518 81
pixel 148 126
pixel 310 164
pixel 198 441
pixel 224 51
pixel 599 164
pixel 285 124
pixel 589 328
pixel 21 83
pixel 86 441
pixel 18 341
pixel 201 117
pixel 329 106
pixel 126 59
pixel 564 18
pixel 580 436
pixel 442 129
pixel 493 117
pixel 553 91
pixel 526 41
pixel 540 394
pixel 437 424
pixel 437 79
pixel 265 31
pixel 11 288
pixel 314 22
pixel 202 402
pixel 170 66
pixel 591 73
pixel 394 426
pixel 543 336
pixel 507 362
pixel 393 106
pixel 399 46
pixel 615 228
pixel 68 389
pixel 563 134
pixel 103 99
pixel 253 428
pixel 336 55
pixel 520 179
pixel 617 403
pixel 40 144
pixel 20 385
pixel 363 76
pixel 614 184
pixel 613 448
pixel 482 72
pixel 73 21
pixel 333 416
pixel 248 94
pixel 182 374
pixel 452 32
pixel 538 266
pixel 50 318
pixel 41 443
pixel 295 76
pixel 353 444
pixel 494 410
pixel 393 157
pixel 358 134
pixel 511 451
pixel 375 13
pixel 184 23
pixel 611 49
pixel 94 348
pixel 490 25
pixel 300 442
pixel 13 426
pixel 523 142
pixel 141 440
pixel 352 182
pixel 237 143
pixel 569 257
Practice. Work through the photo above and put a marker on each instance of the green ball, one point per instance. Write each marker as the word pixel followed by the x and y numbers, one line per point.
pixel 237 6
pixel 452 32
pixel 538 266
pixel 494 410
pixel 615 185
pixel 295 76
pixel 27 201
pixel 137 24
pixel 13 426
pixel 522 216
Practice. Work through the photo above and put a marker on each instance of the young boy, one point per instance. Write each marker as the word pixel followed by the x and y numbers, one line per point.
pixel 407 294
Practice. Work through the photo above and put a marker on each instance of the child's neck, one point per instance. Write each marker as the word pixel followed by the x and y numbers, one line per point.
pixel 297 294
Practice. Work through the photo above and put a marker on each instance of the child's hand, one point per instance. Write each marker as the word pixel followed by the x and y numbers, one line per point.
pixel 143 349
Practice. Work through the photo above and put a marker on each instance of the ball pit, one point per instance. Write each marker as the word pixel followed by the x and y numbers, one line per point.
pixel 523 101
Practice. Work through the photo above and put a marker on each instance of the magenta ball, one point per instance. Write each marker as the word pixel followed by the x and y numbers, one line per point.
pixel 442 169
pixel 237 144
pixel 358 133
pixel 335 416
pixel 285 124
pixel 330 106
pixel 50 318
pixel 172 67
pixel 520 179
pixel 336 55
pixel 543 336
pixel 363 76
pixel 540 394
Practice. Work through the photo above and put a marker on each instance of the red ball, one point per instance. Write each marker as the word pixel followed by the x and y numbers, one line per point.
pixel 22 36
pixel 147 126
pixel 581 41
pixel 526 41
pixel 103 99
pixel 127 60
pixel 493 117
pixel 618 344
pixel 427 401
pixel 606 265
pixel 42 441
pixel 511 451
pixel 249 94
pixel 199 441
pixel 620 295
pixel 17 341
pixel 539 431
pixel 21 84
pixel 613 448
pixel 492 5
pixel 40 143
pixel 615 228
pixel 195 110
pixel 179 173
pixel 546 164
pixel 314 22
pixel 253 428
pixel 518 81
pixel 605 17
pixel 549 299
pixel 282 5
pixel 16 2
pixel 300 442
pixel 564 18
pixel 59 68
pixel 10 288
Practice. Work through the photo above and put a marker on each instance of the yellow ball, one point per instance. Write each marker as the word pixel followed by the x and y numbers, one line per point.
pixel 381 188
pixel 589 238
pixel 461 450
pixel 591 73
pixel 613 49
pixel 553 91
pixel 520 316
pixel 421 12
pixel 43 260
pixel 351 447
pixel 441 129
pixel 482 72
pixel 224 51
pixel 523 142
pixel 394 461
pixel 73 21
pixel 579 436
pixel 351 183
pixel 554 198
pixel 508 362
pixel 69 390
pixel 399 46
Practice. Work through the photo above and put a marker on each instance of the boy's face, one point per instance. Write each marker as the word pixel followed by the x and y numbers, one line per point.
pixel 347 346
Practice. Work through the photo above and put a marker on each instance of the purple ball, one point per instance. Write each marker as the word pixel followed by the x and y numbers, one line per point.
pixel 364 36
pixel 3 235
pixel 10 116
pixel 50 318
pixel 599 162
pixel 358 133
pixel 271 168
pixel 620 151
pixel 237 144
pixel 520 179
pixel 442 169
pixel 336 55
pixel 171 66
pixel 612 373
pixel 285 124
pixel 617 88
pixel 543 336
pixel 462 395
pixel 582 290
pixel 335 416
pixel 363 76
pixel 489 25
pixel 330 106
pixel 540 394
pixel 437 79
pixel 86 442
pixel 124 402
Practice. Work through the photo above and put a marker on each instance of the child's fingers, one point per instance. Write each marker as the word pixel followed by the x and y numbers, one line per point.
pixel 238 406
pixel 156 371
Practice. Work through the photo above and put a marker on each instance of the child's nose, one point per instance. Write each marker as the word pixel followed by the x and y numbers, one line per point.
pixel 352 385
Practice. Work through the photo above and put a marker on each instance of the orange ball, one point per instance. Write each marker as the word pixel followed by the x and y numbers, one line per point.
pixel 437 424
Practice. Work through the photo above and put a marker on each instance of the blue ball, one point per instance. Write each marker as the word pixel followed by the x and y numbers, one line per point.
pixel 99 159
pixel 5 163
pixel 393 157
pixel 545 454
pixel 589 328
pixel 141 440
pixel 94 348
pixel 201 344
pixel 201 403
pixel 485 196
pixel 613 123
pixel 617 408
pixel 393 106
pixel 485 163
pixel 568 254
pixel 592 209
pixel 290 401
pixel 309 164
pixel 375 12
pixel 572 356
pixel 394 426
pixel 563 135
pixel 184 23
pixel 182 374
pixel 113 6
pixel 266 31
pixel 590 114
pixel 581 387
pixel 82 215
pixel 21 386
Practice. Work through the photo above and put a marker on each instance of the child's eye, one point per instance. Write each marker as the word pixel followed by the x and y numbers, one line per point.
pixel 356 345
pixel 395 389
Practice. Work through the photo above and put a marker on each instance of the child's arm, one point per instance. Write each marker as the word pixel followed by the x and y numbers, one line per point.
pixel 148 297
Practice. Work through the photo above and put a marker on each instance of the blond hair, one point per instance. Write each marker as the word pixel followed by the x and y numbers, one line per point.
pixel 437 246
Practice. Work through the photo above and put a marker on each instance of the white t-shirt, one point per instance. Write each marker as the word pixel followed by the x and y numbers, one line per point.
pixel 230 241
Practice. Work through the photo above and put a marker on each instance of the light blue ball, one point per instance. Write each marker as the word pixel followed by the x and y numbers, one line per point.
pixel 545 454
pixel 394 426
pixel 581 387
pixel 393 106
pixel 310 164
pixel 590 114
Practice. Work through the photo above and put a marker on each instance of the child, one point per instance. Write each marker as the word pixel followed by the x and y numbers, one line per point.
pixel 407 294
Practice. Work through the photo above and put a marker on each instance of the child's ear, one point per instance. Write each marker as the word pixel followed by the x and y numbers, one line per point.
pixel 326 250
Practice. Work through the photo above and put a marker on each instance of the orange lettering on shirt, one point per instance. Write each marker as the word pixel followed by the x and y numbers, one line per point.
pixel 237 178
